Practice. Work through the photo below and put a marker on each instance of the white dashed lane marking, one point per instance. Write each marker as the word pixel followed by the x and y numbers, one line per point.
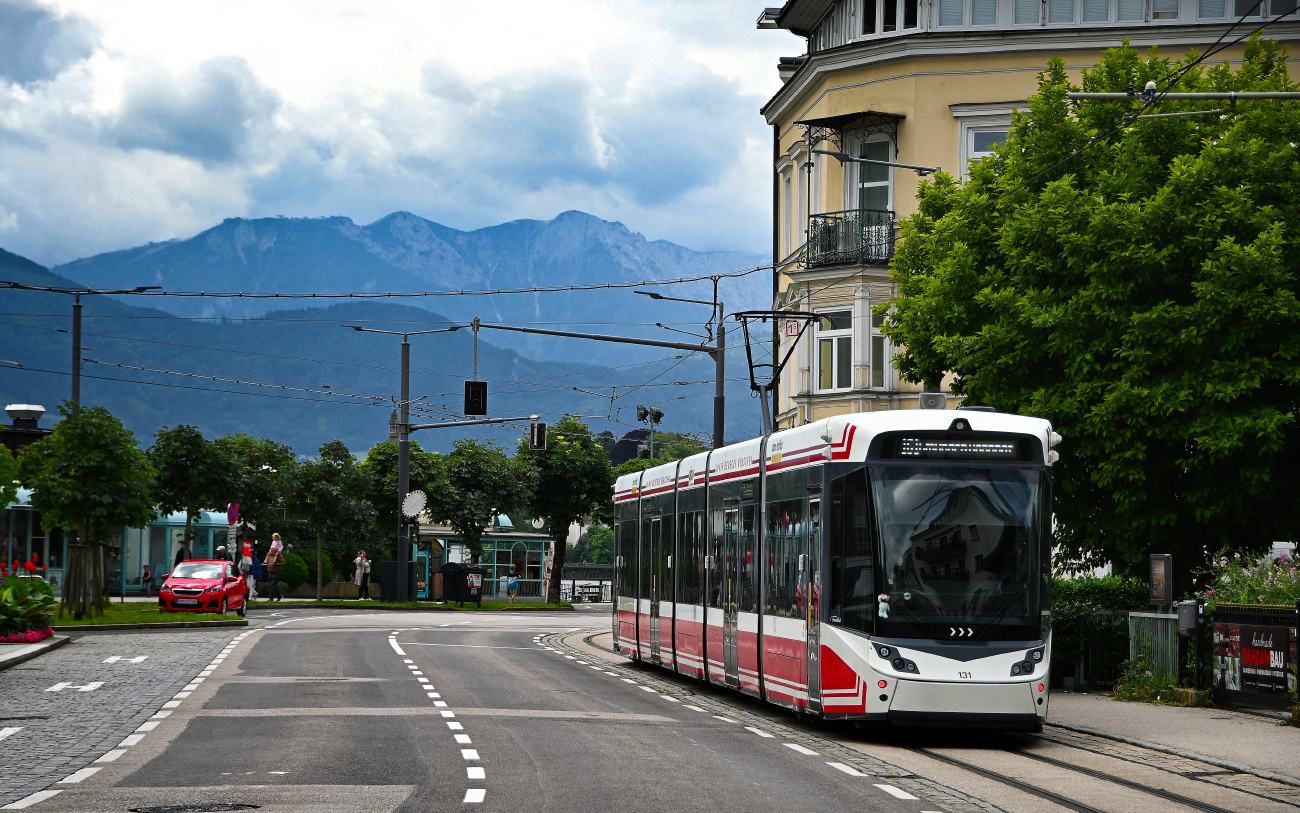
pixel 28 801
pixel 10 731
pixel 474 796
pixel 897 793
pixel 758 731
pixel 469 753
pixel 78 776
pixel 851 771
pixel 794 746
pixel 474 772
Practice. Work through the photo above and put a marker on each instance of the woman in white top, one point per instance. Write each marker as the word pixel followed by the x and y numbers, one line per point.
pixel 362 576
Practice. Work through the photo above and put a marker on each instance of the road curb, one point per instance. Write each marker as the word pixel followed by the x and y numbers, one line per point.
pixel 161 625
pixel 26 653
pixel 1182 752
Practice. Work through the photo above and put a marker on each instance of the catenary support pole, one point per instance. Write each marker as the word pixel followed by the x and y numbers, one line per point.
pixel 720 375
pixel 403 477
pixel 76 351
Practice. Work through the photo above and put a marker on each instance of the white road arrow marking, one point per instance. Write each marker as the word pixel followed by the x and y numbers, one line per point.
pixel 89 687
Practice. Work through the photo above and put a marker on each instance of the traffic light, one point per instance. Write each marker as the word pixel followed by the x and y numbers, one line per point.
pixel 643 451
pixel 652 414
pixel 475 397
pixel 537 437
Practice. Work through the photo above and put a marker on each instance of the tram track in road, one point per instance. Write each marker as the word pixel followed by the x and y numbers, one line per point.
pixel 1183 768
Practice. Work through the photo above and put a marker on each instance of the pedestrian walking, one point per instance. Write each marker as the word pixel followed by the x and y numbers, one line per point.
pixel 361 578
pixel 512 584
pixel 255 574
pixel 146 581
pixel 274 564
pixel 246 560
pixel 181 555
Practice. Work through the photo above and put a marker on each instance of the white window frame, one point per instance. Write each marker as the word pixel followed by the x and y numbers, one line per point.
pixel 835 337
pixel 979 118
pixel 853 173
pixel 881 365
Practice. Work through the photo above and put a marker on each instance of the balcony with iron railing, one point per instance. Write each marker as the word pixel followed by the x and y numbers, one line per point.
pixel 850 237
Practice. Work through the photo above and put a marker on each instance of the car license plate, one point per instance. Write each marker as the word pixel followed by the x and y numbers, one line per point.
pixel 187 601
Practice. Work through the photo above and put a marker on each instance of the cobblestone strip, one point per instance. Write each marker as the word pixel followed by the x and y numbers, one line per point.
pixel 1173 763
pixel 947 798
pixel 62 731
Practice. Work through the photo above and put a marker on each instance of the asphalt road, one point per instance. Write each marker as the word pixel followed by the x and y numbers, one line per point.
pixel 371 711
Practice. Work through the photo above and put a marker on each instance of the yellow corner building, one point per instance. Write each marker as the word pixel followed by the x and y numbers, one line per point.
pixel 928 83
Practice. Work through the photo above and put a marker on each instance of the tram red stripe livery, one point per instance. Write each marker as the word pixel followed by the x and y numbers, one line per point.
pixel 760 566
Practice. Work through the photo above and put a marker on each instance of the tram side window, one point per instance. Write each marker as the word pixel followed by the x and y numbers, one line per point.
pixel 748 563
pixel 853 584
pixel 716 559
pixel 785 530
pixel 645 567
pixel 687 564
pixel 626 546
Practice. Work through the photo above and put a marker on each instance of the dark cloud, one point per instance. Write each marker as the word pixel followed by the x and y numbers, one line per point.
pixel 654 144
pixel 209 115
pixel 36 45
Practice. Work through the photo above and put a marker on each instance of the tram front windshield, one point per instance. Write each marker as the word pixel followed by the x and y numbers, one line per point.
pixel 959 551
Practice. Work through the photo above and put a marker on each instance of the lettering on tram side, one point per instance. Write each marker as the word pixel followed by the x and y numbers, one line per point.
pixel 965 675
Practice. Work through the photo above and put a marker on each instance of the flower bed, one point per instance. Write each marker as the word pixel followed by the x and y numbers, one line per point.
pixel 26 606
pixel 28 637
pixel 1239 579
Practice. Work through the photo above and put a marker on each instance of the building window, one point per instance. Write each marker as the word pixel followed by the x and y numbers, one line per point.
pixel 869 17
pixel 1061 11
pixel 984 12
pixel 1164 9
pixel 1130 10
pixel 873 179
pixel 835 351
pixel 981 141
pixel 982 126
pixel 879 356
pixel 1027 12
pixel 1096 11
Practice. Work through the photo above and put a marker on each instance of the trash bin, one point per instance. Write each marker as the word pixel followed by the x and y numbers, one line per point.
pixel 462 583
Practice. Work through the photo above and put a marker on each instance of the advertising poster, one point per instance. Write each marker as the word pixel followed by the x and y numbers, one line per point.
pixel 1250 658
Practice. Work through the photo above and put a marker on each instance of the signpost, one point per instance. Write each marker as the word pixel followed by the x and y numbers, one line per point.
pixel 232 536
pixel 1162 578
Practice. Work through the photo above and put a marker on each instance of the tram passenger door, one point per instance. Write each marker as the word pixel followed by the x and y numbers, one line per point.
pixel 810 581
pixel 656 583
pixel 731 595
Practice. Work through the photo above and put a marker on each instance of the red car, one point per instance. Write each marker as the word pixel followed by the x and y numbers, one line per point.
pixel 205 586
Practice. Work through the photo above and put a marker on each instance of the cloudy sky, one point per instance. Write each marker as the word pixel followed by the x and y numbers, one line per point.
pixel 129 121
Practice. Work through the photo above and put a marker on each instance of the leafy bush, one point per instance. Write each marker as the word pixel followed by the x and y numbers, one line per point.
pixel 25 604
pixel 1090 624
pixel 295 570
pixel 309 560
pixel 1240 579
pixel 1139 682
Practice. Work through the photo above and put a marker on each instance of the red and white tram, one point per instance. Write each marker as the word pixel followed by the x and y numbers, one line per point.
pixel 888 566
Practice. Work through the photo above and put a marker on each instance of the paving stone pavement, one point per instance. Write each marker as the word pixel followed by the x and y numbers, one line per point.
pixel 62 731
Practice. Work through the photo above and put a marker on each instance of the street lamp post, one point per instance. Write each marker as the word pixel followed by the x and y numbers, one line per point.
pixel 403 451
pixel 76 293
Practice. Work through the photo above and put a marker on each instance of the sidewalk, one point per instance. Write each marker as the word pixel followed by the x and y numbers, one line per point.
pixel 1226 736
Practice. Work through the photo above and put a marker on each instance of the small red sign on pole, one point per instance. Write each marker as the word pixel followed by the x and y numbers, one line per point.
pixel 232 512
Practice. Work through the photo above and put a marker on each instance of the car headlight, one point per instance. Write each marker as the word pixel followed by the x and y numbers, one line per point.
pixel 213 589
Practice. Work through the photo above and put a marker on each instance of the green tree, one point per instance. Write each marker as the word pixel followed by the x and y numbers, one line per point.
pixel 327 494
pixel 595 546
pixel 481 482
pixel 88 475
pixel 8 476
pixel 265 474
pixel 1135 282
pixel 193 473
pixel 573 480
pixel 380 469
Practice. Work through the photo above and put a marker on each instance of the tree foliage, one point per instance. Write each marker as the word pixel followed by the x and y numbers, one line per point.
pixel 380 488
pixel 573 480
pixel 327 494
pixel 595 546
pixel 192 473
pixel 1135 283
pixel 481 482
pixel 88 475
pixel 8 476
pixel 264 473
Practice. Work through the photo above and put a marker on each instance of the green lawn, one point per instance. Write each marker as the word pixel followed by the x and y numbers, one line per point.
pixel 134 613
pixel 353 604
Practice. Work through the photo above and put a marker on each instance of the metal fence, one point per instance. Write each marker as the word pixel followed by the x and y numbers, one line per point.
pixel 851 236
pixel 1153 637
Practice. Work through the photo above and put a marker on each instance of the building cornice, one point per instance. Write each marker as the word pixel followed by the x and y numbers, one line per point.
pixel 788 102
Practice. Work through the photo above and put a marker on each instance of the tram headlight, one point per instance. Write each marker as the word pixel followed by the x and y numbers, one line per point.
pixel 899 664
pixel 884 651
pixel 1026 667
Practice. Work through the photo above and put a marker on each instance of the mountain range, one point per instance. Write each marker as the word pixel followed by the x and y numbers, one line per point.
pixel 285 369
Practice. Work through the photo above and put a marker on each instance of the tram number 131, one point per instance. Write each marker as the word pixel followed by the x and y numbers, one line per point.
pixel 965 675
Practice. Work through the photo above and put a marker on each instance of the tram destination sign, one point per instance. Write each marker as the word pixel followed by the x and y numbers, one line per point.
pixel 944 446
